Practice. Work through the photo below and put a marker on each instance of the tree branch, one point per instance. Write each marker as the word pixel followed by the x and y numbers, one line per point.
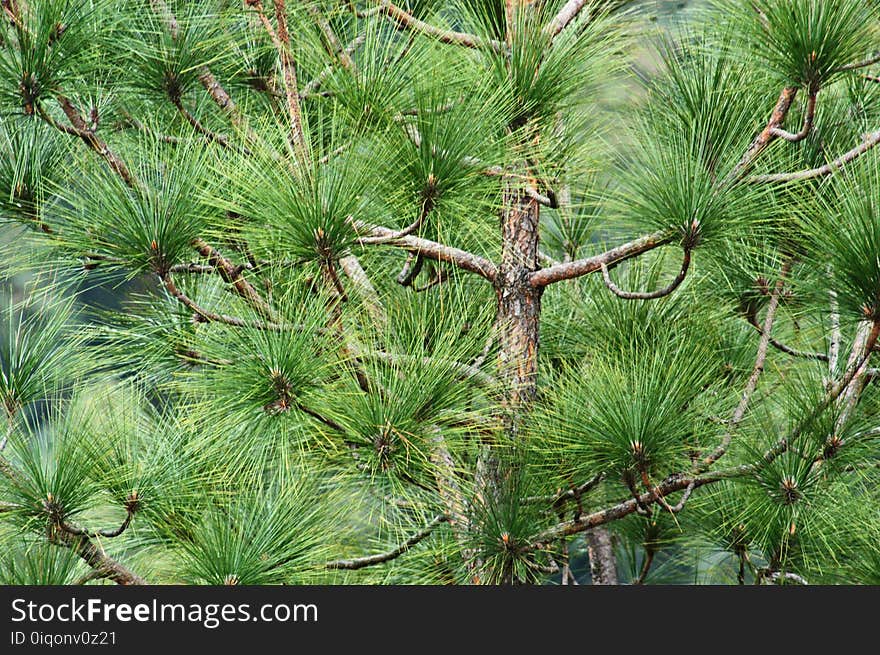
pixel 870 140
pixel 212 317
pixel 381 558
pixel 566 15
pixel 281 41
pixel 209 135
pixel 870 61
pixel 95 557
pixel 131 506
pixel 406 20
pixel 779 133
pixel 649 295
pixel 766 136
pixel 570 270
pixel 822 357
pixel 752 383
pixel 232 274
pixel 92 140
pixel 433 250
pixel 319 79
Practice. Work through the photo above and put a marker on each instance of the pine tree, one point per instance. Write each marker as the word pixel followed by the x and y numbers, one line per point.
pixel 445 291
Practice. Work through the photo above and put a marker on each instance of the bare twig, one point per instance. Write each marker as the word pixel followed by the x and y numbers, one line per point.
pixel 232 274
pixel 312 87
pixel 566 15
pixel 788 350
pixel 209 135
pixel 870 61
pixel 381 558
pixel 568 494
pixel 407 21
pixel 281 41
pixel 766 136
pixel 752 383
pixel 869 141
pixel 209 316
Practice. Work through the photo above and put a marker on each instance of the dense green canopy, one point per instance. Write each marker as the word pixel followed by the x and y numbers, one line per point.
pixel 440 292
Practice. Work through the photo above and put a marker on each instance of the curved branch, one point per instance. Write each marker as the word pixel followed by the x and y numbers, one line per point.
pixel 104 565
pixel 571 270
pixel 649 295
pixel 381 558
pixel 766 136
pixel 822 357
pixel 809 117
pixel 869 142
pixel 209 316
pixel 80 532
pixel 407 21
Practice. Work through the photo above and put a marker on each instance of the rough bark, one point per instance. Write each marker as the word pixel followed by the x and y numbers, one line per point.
pixel 603 563
pixel 519 302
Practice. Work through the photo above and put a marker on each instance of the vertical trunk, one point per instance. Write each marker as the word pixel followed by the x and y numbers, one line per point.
pixel 519 303
pixel 603 564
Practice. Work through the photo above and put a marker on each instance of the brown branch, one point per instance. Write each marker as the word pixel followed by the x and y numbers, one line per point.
pixel 646 567
pixel 548 201
pixel 232 274
pixel 209 316
pixel 281 41
pixel 788 350
pixel 570 270
pixel 192 267
pixel 95 557
pixel 809 117
pixel 766 136
pixel 752 383
pixel 870 140
pixel 82 130
pixel 870 61
pixel 334 47
pixel 566 15
pixel 131 507
pixel 632 505
pixel 436 251
pixel 381 558
pixel 649 295
pixel 209 135
pixel 313 86
pixel 406 20
pixel 568 494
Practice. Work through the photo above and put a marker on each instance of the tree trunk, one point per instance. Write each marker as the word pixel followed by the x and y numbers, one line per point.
pixel 519 303
pixel 603 563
